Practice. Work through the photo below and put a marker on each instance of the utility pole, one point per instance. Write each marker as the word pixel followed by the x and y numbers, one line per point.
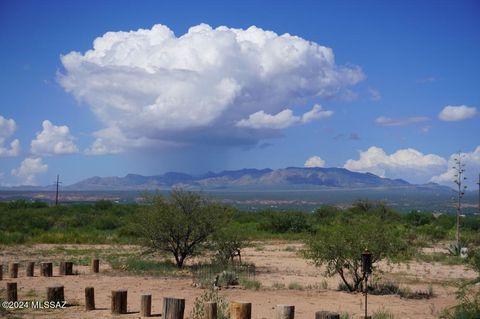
pixel 478 194
pixel 56 194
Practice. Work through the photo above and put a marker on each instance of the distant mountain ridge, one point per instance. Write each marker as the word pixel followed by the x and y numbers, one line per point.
pixel 285 178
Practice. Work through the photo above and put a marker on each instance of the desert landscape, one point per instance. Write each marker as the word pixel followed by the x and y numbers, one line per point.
pixel 285 278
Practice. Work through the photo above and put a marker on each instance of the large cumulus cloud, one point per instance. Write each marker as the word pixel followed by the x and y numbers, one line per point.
pixel 154 87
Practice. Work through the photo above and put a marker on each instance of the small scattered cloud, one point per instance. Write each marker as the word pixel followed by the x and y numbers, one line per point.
pixel 314 161
pixel 472 167
pixel 352 136
pixel 386 121
pixel 151 85
pixel 53 140
pixel 283 119
pixel 265 145
pixel 428 79
pixel 375 94
pixel 7 129
pixel 28 170
pixel 457 113
pixel 409 164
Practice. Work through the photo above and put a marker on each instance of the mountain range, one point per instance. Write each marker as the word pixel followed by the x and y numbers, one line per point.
pixel 285 178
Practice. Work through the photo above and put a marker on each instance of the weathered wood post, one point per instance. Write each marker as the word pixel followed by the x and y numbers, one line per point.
pixel 11 291
pixel 326 315
pixel 55 293
pixel 46 269
pixel 240 310
pixel 119 302
pixel 30 269
pixel 66 268
pixel 95 265
pixel 284 312
pixel 173 308
pixel 13 270
pixel 89 298
pixel 146 305
pixel 1 272
pixel 210 310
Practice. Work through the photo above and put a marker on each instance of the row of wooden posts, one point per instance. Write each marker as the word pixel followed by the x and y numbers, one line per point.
pixel 46 268
pixel 173 308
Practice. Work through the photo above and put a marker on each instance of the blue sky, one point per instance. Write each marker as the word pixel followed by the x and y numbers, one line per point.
pixel 386 87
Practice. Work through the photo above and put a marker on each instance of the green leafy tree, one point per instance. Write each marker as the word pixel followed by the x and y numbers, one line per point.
pixel 339 245
pixel 181 224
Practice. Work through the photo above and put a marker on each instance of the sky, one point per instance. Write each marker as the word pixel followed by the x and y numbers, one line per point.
pixel 107 88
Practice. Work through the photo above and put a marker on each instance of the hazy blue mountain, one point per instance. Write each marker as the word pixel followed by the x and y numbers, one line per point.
pixel 285 178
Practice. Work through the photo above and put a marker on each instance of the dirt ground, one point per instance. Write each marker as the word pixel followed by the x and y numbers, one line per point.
pixel 278 268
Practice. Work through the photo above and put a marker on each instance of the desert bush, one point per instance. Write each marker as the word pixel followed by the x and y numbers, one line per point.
pixel 339 245
pixel 228 243
pixel 210 295
pixel 285 222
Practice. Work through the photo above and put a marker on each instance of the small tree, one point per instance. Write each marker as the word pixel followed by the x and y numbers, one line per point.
pixel 228 243
pixel 181 223
pixel 339 245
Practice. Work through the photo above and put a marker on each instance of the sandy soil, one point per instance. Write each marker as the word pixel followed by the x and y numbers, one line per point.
pixel 277 264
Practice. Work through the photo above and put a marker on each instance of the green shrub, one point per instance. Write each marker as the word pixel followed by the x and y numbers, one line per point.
pixel 210 295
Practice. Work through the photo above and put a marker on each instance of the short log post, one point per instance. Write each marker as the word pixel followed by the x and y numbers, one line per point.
pixel 240 310
pixel 30 269
pixel 46 269
pixel 11 291
pixel 89 299
pixel 55 294
pixel 326 315
pixel 95 265
pixel 146 305
pixel 66 268
pixel 284 312
pixel 173 308
pixel 13 270
pixel 119 302
pixel 1 272
pixel 210 310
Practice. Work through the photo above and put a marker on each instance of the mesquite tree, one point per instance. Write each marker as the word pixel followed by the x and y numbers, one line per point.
pixel 181 224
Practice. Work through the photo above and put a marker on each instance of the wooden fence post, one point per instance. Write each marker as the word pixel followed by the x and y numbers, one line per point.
pixel 1 272
pixel 55 293
pixel 11 291
pixel 210 310
pixel 240 310
pixel 30 269
pixel 326 315
pixel 13 270
pixel 173 308
pixel 89 298
pixel 95 265
pixel 66 268
pixel 46 269
pixel 146 305
pixel 119 302
pixel 284 312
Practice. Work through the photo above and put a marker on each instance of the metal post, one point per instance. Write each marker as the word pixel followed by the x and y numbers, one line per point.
pixel 366 269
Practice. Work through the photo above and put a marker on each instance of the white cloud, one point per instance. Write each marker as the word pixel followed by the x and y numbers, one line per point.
pixel 314 161
pixel 28 169
pixel 315 114
pixel 408 164
pixel 375 94
pixel 386 121
pixel 7 128
pixel 152 85
pixel 472 168
pixel 457 113
pixel 283 119
pixel 53 140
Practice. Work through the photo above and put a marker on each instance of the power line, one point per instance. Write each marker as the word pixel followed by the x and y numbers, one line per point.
pixel 56 194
